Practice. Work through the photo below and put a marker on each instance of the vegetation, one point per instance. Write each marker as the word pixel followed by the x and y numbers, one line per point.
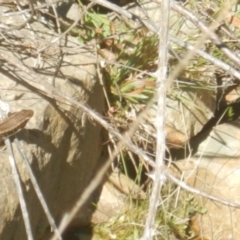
pixel 174 218
pixel 202 73
pixel 130 57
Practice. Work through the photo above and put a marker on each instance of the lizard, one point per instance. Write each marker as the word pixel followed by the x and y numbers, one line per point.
pixel 14 123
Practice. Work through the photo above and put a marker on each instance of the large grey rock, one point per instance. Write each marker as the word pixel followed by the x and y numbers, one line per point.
pixel 63 146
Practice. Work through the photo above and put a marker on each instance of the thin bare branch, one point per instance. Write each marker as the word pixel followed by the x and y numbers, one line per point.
pixel 38 191
pixel 194 49
pixel 160 123
pixel 182 184
pixel 208 30
pixel 40 84
pixel 19 190
pixel 226 67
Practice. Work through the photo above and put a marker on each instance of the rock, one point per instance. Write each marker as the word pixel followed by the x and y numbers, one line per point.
pixel 214 169
pixel 114 198
pixel 63 146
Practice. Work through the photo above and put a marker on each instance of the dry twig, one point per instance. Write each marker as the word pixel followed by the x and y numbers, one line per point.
pixel 159 177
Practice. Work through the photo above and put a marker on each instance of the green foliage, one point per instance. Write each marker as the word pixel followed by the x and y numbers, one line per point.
pixel 97 25
pixel 127 83
pixel 173 218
